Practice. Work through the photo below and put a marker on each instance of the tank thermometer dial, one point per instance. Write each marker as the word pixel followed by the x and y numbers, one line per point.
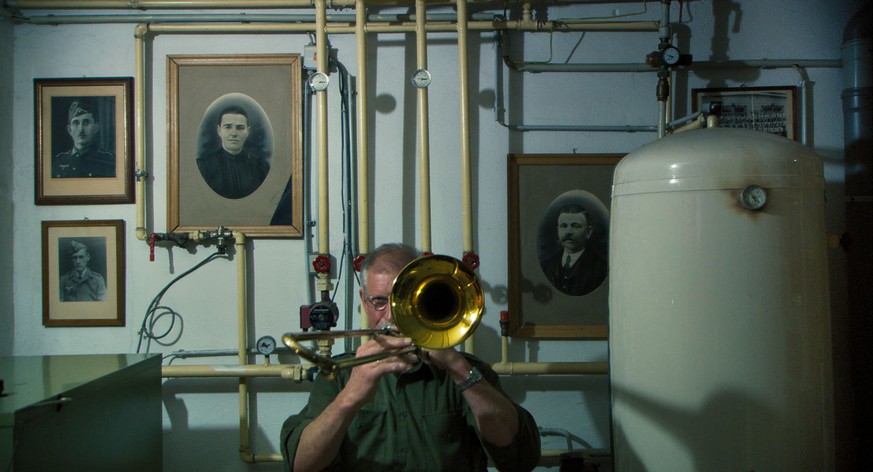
pixel 753 197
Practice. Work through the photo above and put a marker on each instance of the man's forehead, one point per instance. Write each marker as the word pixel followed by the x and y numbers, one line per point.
pixel 83 117
pixel 572 217
pixel 233 118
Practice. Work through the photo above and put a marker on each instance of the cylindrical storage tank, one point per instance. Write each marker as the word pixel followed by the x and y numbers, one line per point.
pixel 719 325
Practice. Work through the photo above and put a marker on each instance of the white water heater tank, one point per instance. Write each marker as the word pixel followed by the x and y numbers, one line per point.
pixel 719 326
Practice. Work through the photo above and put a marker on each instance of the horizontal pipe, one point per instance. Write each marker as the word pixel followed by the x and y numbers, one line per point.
pixel 286 371
pixel 298 371
pixel 247 24
pixel 641 67
pixel 551 368
pixel 234 18
pixel 592 128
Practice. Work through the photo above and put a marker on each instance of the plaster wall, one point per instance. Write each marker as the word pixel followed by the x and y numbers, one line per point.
pixel 200 416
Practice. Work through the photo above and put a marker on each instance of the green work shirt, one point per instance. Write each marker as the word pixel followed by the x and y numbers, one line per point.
pixel 418 421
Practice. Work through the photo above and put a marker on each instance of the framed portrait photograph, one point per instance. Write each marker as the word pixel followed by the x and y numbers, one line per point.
pixel 768 109
pixel 559 244
pixel 83 281
pixel 84 141
pixel 235 144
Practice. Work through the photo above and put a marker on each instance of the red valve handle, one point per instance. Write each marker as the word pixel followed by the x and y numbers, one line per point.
pixel 152 238
pixel 358 262
pixel 321 264
pixel 471 259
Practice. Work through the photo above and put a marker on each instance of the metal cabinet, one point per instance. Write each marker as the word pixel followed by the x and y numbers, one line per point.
pixel 81 412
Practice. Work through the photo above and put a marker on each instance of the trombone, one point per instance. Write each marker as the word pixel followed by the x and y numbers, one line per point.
pixel 436 300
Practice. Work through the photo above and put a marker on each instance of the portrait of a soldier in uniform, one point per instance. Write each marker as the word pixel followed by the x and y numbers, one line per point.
pixel 85 156
pixel 81 282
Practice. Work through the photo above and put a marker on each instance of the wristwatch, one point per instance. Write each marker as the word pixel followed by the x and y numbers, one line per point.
pixel 471 380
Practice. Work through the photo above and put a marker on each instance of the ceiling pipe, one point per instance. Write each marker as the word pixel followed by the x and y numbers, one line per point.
pixel 217 4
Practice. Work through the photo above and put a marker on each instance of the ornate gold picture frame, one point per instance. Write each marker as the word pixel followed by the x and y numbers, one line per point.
pixel 244 174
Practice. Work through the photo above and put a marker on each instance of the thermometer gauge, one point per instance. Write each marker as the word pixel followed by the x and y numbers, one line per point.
pixel 753 197
pixel 319 81
pixel 266 345
pixel 421 78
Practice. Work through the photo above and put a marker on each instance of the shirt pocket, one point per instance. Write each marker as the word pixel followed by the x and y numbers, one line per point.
pixel 448 427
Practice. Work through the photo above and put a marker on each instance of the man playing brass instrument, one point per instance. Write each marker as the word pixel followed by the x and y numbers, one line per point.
pixel 447 413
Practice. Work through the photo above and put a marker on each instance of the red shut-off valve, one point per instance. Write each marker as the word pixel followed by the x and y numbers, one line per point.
pixel 321 264
pixel 358 262
pixel 471 259
pixel 152 238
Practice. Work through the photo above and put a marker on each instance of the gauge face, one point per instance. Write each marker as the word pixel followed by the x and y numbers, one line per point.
pixel 421 78
pixel 319 81
pixel 266 345
pixel 670 55
pixel 753 197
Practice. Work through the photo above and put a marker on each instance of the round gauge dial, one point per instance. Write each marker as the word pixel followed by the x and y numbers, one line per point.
pixel 753 197
pixel 670 55
pixel 421 78
pixel 266 345
pixel 319 81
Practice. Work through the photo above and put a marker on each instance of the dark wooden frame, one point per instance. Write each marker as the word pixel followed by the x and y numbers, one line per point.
pixel 539 182
pixel 52 98
pixel 57 239
pixel 268 85
pixel 770 100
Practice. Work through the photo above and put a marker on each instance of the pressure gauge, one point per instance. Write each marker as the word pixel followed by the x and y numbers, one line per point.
pixel 319 81
pixel 266 345
pixel 753 197
pixel 670 55
pixel 421 78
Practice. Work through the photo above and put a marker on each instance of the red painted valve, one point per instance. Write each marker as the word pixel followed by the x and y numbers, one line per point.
pixel 358 261
pixel 152 238
pixel 321 264
pixel 471 259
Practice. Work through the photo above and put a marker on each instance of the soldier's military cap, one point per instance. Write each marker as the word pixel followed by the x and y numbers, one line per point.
pixel 79 107
pixel 76 246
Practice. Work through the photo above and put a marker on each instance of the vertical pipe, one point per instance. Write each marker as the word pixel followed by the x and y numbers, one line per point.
pixel 242 318
pixel 466 181
pixel 363 145
pixel 423 135
pixel 323 171
pixel 139 126
pixel 464 92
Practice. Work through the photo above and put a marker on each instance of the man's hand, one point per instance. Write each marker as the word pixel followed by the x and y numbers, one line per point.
pixel 365 378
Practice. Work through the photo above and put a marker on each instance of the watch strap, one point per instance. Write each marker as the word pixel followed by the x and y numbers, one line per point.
pixel 474 377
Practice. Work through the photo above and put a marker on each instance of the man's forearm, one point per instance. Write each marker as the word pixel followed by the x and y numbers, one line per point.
pixel 496 416
pixel 321 439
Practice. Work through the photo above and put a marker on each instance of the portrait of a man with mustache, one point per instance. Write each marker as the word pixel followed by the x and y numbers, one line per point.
pixel 575 269
pixel 86 158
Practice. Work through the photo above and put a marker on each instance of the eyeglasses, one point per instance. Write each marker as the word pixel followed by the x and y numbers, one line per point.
pixel 378 302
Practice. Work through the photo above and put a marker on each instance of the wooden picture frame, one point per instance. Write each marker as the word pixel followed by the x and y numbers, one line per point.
pixel 268 200
pixel 768 109
pixel 83 273
pixel 543 303
pixel 84 141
